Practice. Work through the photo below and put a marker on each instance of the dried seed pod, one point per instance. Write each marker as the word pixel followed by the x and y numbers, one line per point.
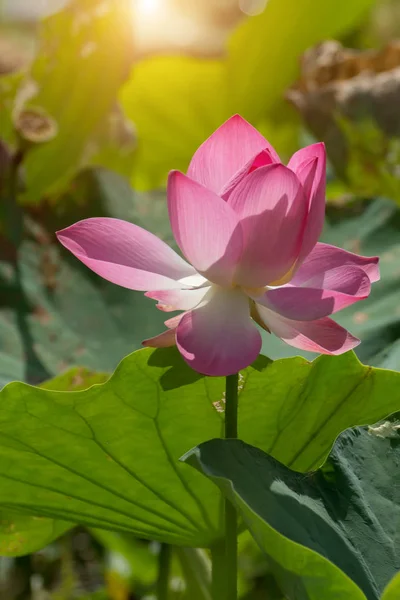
pixel 34 125
pixel 338 83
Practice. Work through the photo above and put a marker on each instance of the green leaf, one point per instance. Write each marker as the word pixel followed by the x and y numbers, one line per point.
pixel 282 512
pixel 74 380
pixel 392 591
pixel 336 511
pixel 23 534
pixel 107 457
pixel 77 78
pixel 175 102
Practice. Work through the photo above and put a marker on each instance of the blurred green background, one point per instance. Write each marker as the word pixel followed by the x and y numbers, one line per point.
pixel 99 99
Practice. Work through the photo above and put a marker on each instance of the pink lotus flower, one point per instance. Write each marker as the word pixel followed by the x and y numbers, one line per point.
pixel 249 227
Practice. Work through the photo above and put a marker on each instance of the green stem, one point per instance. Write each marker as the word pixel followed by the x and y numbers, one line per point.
pixel 231 431
pixel 231 406
pixel 224 553
pixel 164 563
pixel 218 587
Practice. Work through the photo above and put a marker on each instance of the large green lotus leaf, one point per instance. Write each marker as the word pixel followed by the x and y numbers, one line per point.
pixel 83 58
pixel 21 533
pixel 392 591
pixel 108 457
pixel 285 515
pixel 348 511
pixel 74 380
pixel 177 101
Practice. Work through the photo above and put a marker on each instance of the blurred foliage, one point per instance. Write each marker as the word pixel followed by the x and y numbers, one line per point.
pixel 54 313
pixel 349 99
pixel 173 101
pixel 74 78
pixel 193 96
pixel 373 166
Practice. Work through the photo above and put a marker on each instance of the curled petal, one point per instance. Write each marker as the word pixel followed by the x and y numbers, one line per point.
pixel 323 335
pixel 226 152
pixel 125 254
pixel 262 159
pixel 218 337
pixel 341 287
pixel 178 299
pixel 205 228
pixel 163 340
pixel 174 321
pixel 325 258
pixel 309 164
pixel 272 208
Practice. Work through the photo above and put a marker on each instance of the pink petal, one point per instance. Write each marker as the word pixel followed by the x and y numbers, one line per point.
pixel 313 178
pixel 262 159
pixel 323 336
pixel 271 206
pixel 174 321
pixel 219 338
pixel 340 288
pixel 178 299
pixel 125 254
pixel 205 228
pixel 163 340
pixel 323 258
pixel 226 152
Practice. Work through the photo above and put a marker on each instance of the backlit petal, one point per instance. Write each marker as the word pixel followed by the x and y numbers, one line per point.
pixel 163 340
pixel 174 321
pixel 323 336
pixel 205 228
pixel 125 254
pixel 227 151
pixel 218 337
pixel 262 159
pixel 313 176
pixel 340 288
pixel 179 299
pixel 323 258
pixel 271 206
